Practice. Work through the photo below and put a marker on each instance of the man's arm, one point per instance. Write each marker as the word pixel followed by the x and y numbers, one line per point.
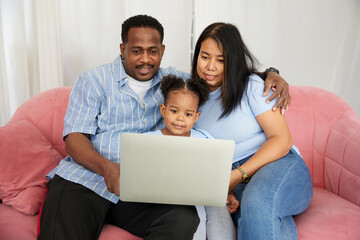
pixel 281 89
pixel 79 147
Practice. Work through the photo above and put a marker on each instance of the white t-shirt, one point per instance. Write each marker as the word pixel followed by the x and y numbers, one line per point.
pixel 140 87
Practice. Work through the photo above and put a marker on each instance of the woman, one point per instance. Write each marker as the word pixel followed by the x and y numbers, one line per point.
pixel 280 183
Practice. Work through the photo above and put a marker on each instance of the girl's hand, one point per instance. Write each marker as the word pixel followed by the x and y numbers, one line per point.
pixel 232 203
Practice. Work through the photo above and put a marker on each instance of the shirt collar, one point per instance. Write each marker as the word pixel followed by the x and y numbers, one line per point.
pixel 215 94
pixel 121 76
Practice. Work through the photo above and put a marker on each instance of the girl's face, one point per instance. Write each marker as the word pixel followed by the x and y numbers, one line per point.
pixel 180 112
pixel 210 64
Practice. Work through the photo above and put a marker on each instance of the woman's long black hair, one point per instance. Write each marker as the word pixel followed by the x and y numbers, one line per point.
pixel 239 63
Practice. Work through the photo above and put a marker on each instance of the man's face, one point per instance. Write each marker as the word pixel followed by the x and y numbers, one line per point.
pixel 142 53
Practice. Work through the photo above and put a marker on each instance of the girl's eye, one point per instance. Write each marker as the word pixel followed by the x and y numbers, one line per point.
pixel 173 111
pixel 188 114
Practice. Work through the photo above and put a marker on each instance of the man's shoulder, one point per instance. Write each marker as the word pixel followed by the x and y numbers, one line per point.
pixel 173 71
pixel 113 66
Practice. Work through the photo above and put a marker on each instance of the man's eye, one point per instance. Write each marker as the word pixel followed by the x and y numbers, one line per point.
pixel 136 51
pixel 153 52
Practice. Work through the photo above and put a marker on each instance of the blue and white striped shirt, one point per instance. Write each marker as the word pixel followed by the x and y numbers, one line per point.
pixel 103 105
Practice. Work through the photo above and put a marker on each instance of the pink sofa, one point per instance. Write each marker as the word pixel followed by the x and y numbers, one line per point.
pixel 324 127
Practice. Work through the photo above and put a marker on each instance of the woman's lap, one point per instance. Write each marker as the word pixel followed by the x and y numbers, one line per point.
pixel 280 189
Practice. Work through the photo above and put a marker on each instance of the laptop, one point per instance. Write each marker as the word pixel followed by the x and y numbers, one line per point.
pixel 175 170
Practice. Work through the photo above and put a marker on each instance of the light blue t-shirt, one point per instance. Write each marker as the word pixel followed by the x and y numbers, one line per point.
pixel 241 124
pixel 103 105
pixel 194 133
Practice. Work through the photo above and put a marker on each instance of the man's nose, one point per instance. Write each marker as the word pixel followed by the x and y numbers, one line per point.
pixel 145 57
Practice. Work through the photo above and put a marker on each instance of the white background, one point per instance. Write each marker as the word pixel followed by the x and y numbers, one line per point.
pixel 48 43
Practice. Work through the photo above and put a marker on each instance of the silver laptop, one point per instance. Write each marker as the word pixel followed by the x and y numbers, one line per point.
pixel 175 170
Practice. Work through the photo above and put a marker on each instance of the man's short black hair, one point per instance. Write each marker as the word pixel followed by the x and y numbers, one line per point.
pixel 140 21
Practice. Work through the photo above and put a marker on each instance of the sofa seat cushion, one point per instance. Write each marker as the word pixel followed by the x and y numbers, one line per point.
pixel 11 221
pixel 329 217
pixel 16 225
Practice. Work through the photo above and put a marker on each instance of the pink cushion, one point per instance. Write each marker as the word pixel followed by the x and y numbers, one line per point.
pixel 110 232
pixel 329 217
pixel 46 111
pixel 25 158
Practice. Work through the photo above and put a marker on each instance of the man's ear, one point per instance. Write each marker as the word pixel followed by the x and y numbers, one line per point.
pixel 162 50
pixel 162 109
pixel 122 49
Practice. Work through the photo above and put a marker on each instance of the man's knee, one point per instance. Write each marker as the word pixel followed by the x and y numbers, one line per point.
pixel 179 222
pixel 186 220
pixel 187 215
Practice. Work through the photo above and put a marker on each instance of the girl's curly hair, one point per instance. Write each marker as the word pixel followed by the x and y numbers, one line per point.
pixel 198 86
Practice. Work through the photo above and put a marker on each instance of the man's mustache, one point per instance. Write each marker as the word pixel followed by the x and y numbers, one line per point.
pixel 147 65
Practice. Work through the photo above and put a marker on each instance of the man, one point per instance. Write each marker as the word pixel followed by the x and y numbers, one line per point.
pixel 122 96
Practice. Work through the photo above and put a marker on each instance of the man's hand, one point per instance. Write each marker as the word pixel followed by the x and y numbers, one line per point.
pixel 281 89
pixel 79 147
pixel 232 203
pixel 111 176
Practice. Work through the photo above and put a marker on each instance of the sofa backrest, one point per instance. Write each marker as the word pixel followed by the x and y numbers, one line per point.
pixel 46 111
pixel 323 127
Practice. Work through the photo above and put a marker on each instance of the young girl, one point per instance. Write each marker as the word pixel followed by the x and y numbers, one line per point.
pixel 180 111
pixel 280 184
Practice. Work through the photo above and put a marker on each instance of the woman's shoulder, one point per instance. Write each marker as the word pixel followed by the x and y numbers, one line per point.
pixel 254 79
pixel 254 85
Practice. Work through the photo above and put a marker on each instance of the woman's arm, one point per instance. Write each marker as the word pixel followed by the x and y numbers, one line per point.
pixel 277 145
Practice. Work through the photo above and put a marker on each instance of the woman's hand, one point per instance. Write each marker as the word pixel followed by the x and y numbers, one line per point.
pixel 281 89
pixel 232 203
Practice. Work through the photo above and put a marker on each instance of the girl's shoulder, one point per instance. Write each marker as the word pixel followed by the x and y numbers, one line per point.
pixel 200 133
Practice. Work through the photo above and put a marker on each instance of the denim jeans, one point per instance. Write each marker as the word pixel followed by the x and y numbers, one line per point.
pixel 273 195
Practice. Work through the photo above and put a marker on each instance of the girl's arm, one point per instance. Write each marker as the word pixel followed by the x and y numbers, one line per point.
pixel 278 144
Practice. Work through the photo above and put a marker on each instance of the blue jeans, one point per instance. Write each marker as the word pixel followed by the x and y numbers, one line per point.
pixel 273 195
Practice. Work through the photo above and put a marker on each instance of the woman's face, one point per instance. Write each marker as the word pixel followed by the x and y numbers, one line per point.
pixel 210 64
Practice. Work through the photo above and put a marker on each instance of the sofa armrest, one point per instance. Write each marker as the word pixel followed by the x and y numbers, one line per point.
pixel 342 158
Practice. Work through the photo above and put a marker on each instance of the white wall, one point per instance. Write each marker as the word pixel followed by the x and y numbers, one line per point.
pixel 48 43
pixel 91 31
pixel 313 43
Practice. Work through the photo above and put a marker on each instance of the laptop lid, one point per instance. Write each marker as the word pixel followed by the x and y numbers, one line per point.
pixel 175 170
